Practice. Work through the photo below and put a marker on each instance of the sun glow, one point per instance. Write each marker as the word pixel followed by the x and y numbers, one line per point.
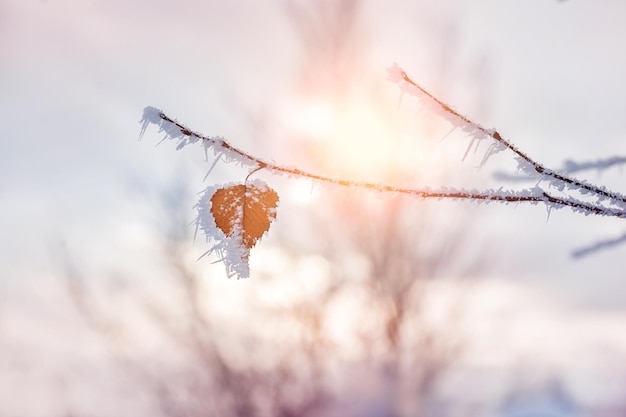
pixel 315 119
pixel 356 137
pixel 302 191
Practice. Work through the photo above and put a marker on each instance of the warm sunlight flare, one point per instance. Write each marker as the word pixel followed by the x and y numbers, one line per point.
pixel 355 137
pixel 313 119
pixel 302 192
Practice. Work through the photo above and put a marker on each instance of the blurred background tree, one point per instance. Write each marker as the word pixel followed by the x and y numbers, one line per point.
pixel 359 304
pixel 362 314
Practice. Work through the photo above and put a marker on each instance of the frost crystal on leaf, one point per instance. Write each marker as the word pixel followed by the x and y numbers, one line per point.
pixel 236 216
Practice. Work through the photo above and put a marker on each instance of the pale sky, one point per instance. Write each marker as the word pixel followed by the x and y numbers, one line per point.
pixel 75 76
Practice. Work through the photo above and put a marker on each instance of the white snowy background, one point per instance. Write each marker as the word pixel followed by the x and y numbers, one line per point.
pixel 76 182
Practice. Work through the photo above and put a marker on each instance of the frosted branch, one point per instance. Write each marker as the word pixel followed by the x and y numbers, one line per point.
pixel 176 131
pixel 527 164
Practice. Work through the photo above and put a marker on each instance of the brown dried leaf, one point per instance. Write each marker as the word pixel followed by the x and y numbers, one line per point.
pixel 244 211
